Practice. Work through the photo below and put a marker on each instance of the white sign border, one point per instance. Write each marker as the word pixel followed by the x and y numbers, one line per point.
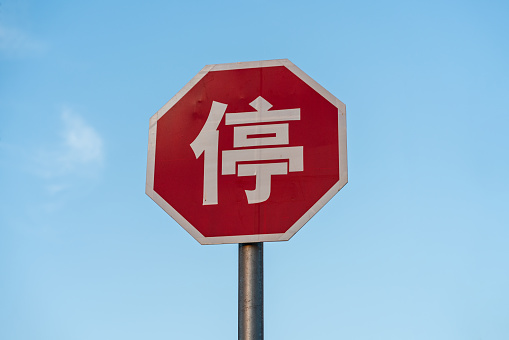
pixel 343 168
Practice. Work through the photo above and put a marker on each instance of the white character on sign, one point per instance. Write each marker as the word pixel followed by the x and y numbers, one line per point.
pixel 207 142
pixel 268 135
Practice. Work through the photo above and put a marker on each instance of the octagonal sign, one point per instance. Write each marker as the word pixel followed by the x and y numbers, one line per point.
pixel 247 152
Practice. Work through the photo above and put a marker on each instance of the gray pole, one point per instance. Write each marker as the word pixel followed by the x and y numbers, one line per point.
pixel 251 291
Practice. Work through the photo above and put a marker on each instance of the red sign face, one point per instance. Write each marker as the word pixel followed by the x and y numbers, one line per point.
pixel 247 152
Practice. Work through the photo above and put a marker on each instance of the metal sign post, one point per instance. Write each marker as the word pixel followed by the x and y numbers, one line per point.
pixel 251 291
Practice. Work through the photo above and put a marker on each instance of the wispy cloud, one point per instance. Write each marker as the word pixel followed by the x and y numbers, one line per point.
pixel 15 42
pixel 82 143
pixel 65 164
pixel 80 151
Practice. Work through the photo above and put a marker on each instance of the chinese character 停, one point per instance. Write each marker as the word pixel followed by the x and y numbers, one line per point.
pixel 207 143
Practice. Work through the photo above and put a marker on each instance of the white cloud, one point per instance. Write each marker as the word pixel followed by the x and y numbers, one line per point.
pixel 80 151
pixel 65 165
pixel 82 144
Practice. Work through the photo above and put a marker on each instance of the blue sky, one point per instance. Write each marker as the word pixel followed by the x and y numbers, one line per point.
pixel 415 246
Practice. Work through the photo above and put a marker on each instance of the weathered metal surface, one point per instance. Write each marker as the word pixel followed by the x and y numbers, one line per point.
pixel 251 291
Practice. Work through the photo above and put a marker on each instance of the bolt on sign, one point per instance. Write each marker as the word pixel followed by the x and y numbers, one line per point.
pixel 247 152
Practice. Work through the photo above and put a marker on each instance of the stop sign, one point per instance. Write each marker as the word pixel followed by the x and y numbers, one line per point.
pixel 247 152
